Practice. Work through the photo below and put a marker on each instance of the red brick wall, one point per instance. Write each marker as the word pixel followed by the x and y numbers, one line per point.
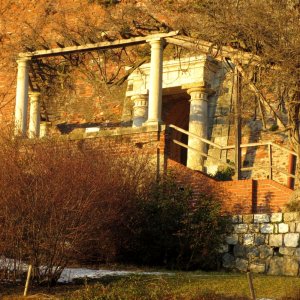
pixel 7 97
pixel 238 196
pixel 30 24
pixel 121 140
pixel 271 196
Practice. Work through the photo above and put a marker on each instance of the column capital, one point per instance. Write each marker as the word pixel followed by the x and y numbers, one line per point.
pixel 140 100
pixel 34 96
pixel 23 60
pixel 199 87
pixel 156 42
pixel 139 97
pixel 197 94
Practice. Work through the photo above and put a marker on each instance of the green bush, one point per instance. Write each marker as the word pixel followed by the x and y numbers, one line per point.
pixel 172 230
pixel 224 174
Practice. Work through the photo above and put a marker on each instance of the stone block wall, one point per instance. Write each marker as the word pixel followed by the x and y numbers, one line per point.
pixel 264 243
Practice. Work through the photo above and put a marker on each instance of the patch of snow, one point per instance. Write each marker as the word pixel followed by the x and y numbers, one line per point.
pixel 92 129
pixel 69 274
pixel 9 264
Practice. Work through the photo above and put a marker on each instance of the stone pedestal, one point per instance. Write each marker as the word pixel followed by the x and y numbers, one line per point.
pixel 155 84
pixel 198 126
pixel 140 110
pixel 21 97
pixel 34 115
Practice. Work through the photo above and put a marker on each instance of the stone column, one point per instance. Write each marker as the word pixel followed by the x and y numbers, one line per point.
pixel 140 110
pixel 34 115
pixel 21 96
pixel 197 125
pixel 44 129
pixel 155 82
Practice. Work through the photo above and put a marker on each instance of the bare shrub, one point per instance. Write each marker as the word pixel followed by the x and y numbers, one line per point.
pixel 54 198
pixel 127 179
pixel 62 201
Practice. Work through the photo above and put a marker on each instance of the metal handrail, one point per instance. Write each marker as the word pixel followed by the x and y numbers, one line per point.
pixel 270 167
pixel 202 153
pixel 195 136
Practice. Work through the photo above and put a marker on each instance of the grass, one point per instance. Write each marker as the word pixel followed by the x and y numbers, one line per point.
pixel 179 286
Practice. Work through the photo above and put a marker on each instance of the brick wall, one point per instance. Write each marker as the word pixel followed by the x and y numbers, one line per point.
pixel 120 138
pixel 147 141
pixel 271 196
pixel 7 97
pixel 242 196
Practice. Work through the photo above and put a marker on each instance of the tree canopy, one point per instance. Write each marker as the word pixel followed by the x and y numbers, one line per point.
pixel 269 29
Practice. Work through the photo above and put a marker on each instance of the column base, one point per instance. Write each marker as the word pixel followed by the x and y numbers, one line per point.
pixel 153 123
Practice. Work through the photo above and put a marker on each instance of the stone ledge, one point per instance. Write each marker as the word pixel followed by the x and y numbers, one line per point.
pixel 79 134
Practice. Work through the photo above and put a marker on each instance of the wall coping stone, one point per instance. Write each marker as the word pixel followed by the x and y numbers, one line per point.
pixel 291 216
pixel 276 217
pixel 79 134
pixel 261 218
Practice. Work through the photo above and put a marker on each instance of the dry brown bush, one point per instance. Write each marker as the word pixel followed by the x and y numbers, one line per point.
pixel 55 202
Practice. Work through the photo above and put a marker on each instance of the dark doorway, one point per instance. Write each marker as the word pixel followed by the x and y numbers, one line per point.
pixel 175 110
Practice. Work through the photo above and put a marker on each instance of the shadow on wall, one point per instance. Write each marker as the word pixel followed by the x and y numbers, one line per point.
pixel 265 205
pixel 66 128
pixel 256 196
pixel 250 156
pixel 252 206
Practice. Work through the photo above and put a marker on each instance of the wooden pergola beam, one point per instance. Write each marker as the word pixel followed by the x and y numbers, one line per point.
pixel 96 46
pixel 212 49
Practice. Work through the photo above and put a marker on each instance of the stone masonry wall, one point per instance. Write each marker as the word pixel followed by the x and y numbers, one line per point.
pixel 221 130
pixel 264 243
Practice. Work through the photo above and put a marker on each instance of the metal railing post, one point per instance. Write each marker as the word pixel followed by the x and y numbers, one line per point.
pixel 266 166
pixel 270 161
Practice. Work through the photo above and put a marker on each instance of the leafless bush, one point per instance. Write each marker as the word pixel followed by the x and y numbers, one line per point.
pixel 54 198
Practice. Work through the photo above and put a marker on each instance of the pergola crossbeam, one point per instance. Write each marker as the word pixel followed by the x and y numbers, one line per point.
pixel 212 49
pixel 96 46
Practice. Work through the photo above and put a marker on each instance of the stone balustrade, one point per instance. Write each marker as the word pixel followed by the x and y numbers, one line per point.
pixel 263 243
